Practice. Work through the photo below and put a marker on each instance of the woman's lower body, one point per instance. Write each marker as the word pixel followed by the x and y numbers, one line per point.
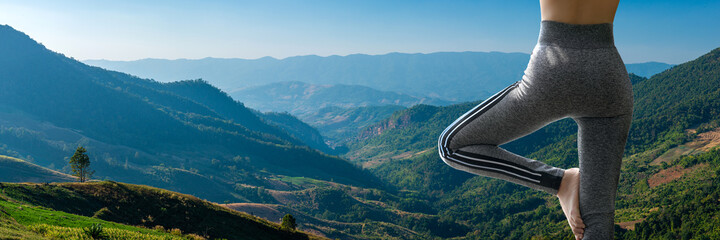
pixel 574 71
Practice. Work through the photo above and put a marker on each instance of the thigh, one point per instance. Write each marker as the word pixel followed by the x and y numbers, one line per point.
pixel 510 114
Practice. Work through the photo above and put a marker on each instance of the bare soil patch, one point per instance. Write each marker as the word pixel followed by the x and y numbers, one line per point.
pixel 629 225
pixel 712 138
pixel 670 174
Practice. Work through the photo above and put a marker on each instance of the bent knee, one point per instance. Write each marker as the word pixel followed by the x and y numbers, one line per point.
pixel 444 151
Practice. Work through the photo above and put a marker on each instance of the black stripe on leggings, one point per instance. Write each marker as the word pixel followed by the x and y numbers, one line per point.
pixel 496 167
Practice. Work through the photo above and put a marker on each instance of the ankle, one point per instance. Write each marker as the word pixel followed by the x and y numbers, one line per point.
pixel 568 181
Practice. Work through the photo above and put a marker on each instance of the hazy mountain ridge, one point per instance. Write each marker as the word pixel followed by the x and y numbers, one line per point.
pixel 435 75
pixel 443 75
pixel 299 98
pixel 647 69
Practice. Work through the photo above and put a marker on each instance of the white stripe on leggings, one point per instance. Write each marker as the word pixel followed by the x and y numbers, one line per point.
pixel 499 163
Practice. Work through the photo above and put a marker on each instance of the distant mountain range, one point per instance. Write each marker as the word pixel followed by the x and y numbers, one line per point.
pixel 445 75
pixel 452 76
pixel 647 69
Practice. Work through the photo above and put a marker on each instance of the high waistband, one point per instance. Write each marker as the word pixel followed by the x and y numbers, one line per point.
pixel 568 35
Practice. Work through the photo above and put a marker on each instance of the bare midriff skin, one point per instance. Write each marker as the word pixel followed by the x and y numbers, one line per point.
pixel 579 11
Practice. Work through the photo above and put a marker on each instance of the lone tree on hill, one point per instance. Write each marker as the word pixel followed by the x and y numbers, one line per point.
pixel 80 163
pixel 288 222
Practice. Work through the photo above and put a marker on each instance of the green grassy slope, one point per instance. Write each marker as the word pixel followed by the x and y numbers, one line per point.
pixel 134 205
pixel 23 221
pixel 11 229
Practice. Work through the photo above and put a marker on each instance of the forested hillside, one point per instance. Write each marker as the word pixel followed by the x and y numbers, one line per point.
pixel 186 136
pixel 298 129
pixel 340 125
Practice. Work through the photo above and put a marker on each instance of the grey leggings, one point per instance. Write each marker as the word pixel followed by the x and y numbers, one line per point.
pixel 574 71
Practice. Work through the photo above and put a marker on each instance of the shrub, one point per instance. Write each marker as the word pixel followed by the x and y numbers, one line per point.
pixel 288 222
pixel 176 232
pixel 95 231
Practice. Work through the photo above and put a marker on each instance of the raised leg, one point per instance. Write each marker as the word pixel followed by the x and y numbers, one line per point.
pixel 471 143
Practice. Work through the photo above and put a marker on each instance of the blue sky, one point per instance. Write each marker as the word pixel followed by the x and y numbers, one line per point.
pixel 669 31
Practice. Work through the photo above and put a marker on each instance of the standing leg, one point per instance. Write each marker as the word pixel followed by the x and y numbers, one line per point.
pixel 601 144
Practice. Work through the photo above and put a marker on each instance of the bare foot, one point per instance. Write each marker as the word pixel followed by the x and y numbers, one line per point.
pixel 569 201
